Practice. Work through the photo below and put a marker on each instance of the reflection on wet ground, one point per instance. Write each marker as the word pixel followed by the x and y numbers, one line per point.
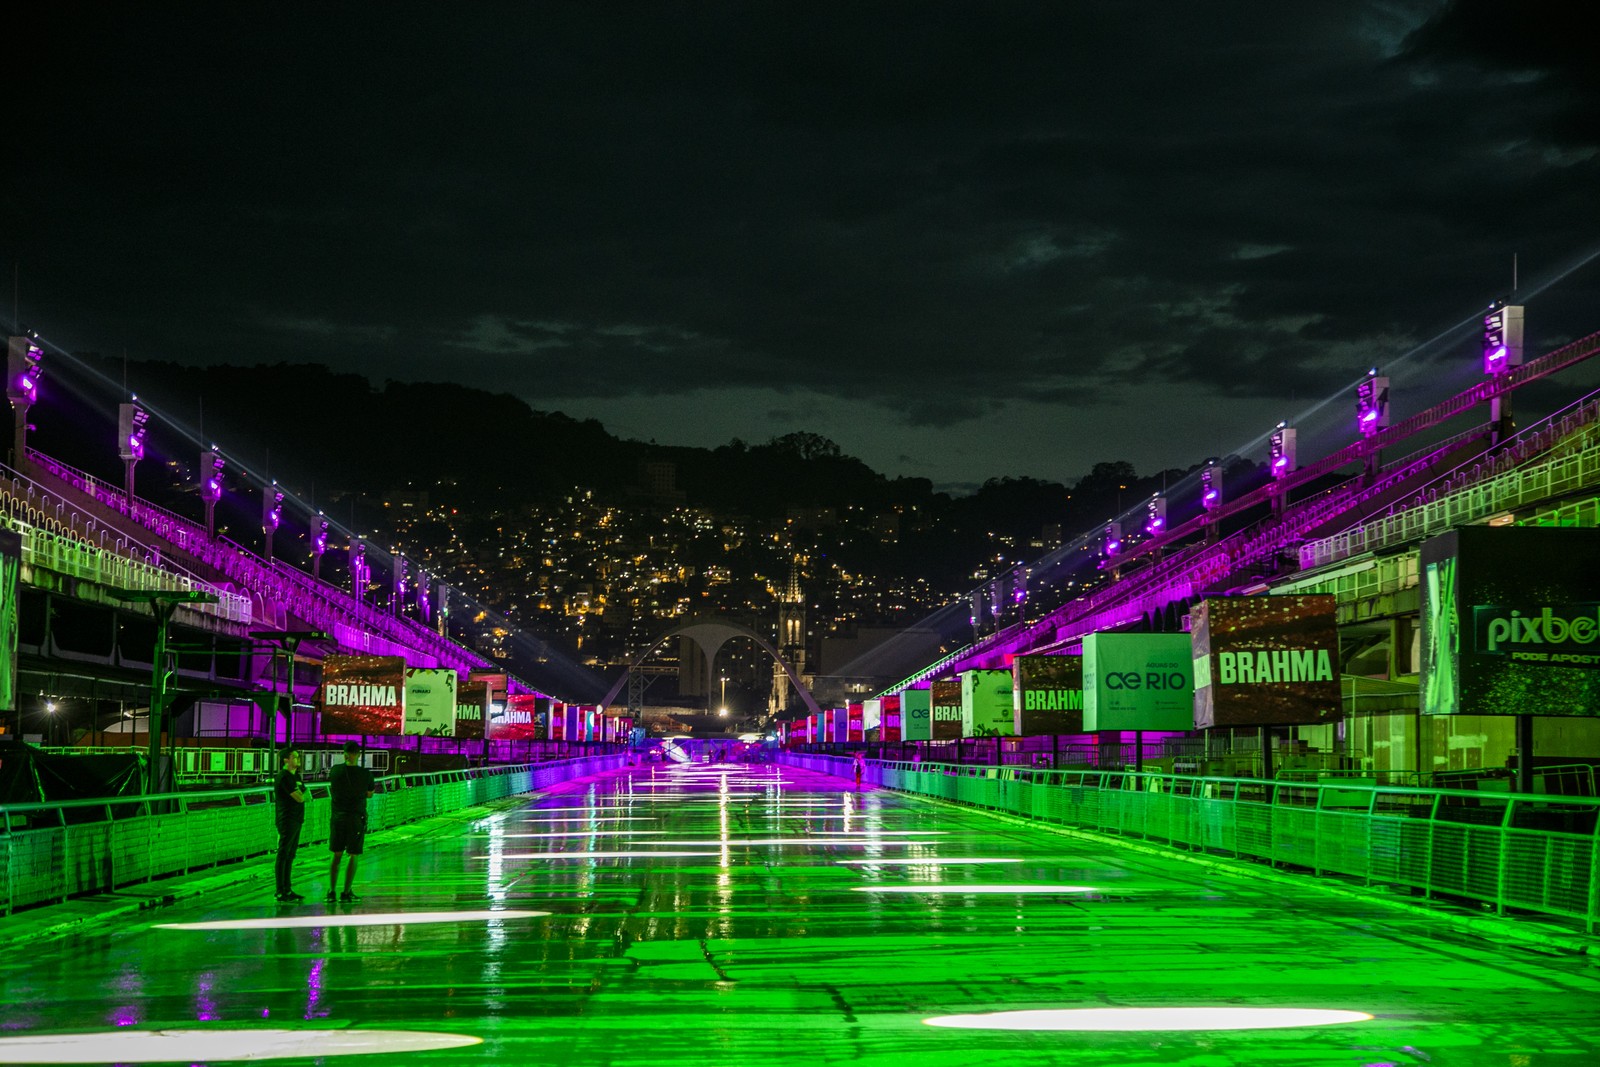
pixel 761 915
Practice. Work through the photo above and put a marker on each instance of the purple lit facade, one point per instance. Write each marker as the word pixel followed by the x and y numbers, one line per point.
pixel 211 465
pixel 1155 516
pixel 1283 452
pixel 271 507
pixel 1211 486
pixel 131 424
pixel 23 371
pixel 1502 339
pixel 1372 404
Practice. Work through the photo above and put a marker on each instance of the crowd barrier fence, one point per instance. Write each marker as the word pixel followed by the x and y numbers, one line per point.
pixel 53 852
pixel 1516 852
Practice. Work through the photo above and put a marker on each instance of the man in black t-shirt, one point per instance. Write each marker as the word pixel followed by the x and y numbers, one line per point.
pixel 289 793
pixel 349 786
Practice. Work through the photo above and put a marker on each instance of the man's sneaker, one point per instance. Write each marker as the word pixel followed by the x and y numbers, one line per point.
pixel 348 897
pixel 291 896
pixel 332 897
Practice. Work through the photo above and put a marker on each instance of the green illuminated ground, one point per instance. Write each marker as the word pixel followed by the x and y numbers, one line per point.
pixel 768 954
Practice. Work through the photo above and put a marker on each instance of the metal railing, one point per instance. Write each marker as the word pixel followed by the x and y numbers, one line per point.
pixel 1470 496
pixel 65 554
pixel 1516 852
pixel 278 587
pixel 55 851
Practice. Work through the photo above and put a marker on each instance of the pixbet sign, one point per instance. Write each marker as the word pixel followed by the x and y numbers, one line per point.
pixel 1564 635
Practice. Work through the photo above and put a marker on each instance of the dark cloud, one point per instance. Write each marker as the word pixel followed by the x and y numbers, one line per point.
pixel 919 216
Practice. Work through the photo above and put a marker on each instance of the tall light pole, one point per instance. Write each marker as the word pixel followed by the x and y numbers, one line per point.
pixel 163 602
pixel 722 708
pixel 289 641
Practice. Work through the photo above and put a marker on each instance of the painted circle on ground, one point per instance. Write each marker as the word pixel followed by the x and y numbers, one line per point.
pixel 387 918
pixel 191 1046
pixel 1150 1020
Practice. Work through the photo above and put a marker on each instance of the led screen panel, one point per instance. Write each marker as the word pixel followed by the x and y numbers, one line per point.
pixel 1137 682
pixel 986 703
pixel 521 718
pixel 1266 661
pixel 471 700
pixel 1511 621
pixel 1047 695
pixel 363 694
pixel 889 721
pixel 430 701
pixel 946 703
pixel 916 714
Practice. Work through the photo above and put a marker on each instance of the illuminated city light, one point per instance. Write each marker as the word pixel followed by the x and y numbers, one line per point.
pixel 1150 1020
pixel 391 918
pixel 190 1046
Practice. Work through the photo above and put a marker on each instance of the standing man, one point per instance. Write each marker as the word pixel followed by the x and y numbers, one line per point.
pixel 349 786
pixel 289 794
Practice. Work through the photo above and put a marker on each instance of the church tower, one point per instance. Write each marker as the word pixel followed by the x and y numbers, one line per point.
pixel 791 639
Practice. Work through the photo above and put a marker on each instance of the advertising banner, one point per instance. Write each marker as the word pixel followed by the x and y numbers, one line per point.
pixel 916 714
pixel 498 683
pixel 430 701
pixel 1047 695
pixel 871 714
pixel 558 721
pixel 889 719
pixel 1138 682
pixel 986 703
pixel 471 701
pixel 520 718
pixel 363 694
pixel 853 732
pixel 945 697
pixel 1511 621
pixel 1266 661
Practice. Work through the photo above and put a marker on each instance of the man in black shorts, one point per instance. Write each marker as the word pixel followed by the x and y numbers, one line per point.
pixel 289 793
pixel 349 786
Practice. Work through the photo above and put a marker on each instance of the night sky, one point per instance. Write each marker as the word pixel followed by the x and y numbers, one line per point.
pixel 963 240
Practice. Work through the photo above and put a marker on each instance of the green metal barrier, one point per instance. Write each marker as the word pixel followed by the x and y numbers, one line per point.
pixel 56 851
pixel 1524 852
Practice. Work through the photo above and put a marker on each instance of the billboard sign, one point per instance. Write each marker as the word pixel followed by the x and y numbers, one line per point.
pixel 1047 694
pixel 520 718
pixel 1137 682
pixel 363 694
pixel 430 701
pixel 889 728
pixel 945 696
pixel 916 714
pixel 1511 621
pixel 854 713
pixel 1266 661
pixel 471 700
pixel 986 703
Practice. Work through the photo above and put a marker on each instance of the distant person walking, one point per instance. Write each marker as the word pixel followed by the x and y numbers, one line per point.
pixel 861 767
pixel 289 794
pixel 349 786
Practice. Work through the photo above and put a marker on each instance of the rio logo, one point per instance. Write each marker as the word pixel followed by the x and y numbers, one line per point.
pixel 1153 680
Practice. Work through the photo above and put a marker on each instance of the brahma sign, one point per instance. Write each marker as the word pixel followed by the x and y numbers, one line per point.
pixel 363 694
